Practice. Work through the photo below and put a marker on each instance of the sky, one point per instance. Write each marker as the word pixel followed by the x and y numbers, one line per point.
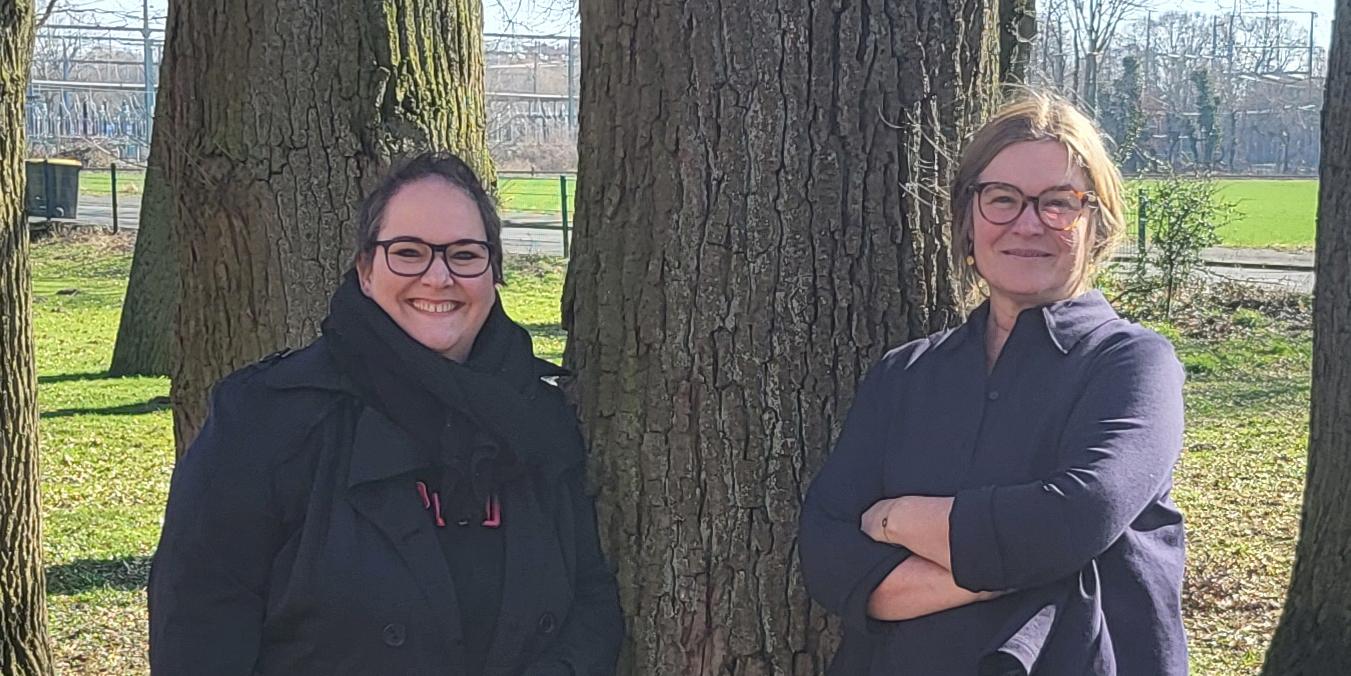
pixel 548 17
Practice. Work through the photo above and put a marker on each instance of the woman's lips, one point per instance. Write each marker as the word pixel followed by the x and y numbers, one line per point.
pixel 1026 253
pixel 434 307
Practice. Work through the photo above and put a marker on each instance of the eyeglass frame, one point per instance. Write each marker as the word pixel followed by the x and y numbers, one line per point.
pixel 1087 200
pixel 442 249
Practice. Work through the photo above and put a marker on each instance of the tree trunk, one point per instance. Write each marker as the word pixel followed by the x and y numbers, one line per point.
pixel 1017 28
pixel 145 335
pixel 283 115
pixel 1314 635
pixel 761 213
pixel 23 589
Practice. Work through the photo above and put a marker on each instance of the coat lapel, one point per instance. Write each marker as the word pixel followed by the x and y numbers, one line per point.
pixel 380 490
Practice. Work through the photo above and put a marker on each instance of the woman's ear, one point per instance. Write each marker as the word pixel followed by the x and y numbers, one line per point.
pixel 364 271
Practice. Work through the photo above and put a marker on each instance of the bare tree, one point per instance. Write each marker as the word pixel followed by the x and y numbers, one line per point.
pixel 1093 25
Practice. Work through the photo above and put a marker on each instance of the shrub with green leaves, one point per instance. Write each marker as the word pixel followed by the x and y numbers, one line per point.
pixel 1182 215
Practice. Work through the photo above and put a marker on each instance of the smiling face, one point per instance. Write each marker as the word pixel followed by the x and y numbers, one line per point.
pixel 1024 262
pixel 438 310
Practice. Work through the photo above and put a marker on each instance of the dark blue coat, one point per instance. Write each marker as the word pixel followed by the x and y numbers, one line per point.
pixel 1060 461
pixel 295 543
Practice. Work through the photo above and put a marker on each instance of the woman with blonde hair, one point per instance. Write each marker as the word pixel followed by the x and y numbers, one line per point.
pixel 999 501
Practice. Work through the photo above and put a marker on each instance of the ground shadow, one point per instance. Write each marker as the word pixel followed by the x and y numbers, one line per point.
pixel 148 406
pixel 72 377
pixel 550 330
pixel 127 573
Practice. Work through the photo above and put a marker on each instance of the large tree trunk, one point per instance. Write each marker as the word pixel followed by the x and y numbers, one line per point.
pixel 1314 636
pixel 283 114
pixel 145 335
pixel 23 588
pixel 761 213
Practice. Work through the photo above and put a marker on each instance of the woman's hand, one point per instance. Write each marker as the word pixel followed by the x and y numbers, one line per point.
pixel 879 518
pixel 917 522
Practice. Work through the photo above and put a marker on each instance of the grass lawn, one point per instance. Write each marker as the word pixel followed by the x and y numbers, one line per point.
pixel 1279 214
pixel 107 456
pixel 99 182
pixel 535 194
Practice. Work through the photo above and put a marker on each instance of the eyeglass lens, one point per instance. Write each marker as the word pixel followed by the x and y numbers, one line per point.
pixel 412 258
pixel 1001 204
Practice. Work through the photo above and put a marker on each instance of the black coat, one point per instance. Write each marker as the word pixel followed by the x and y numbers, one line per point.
pixel 295 543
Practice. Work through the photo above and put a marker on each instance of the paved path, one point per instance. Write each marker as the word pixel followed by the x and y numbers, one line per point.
pixel 1291 270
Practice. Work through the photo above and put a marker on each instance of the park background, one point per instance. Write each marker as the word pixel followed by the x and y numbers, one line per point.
pixel 1244 332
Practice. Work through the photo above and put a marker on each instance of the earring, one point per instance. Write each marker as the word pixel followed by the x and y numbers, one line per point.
pixel 970 261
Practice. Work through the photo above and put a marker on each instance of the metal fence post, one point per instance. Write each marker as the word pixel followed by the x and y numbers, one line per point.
pixel 47 190
pixel 1141 218
pixel 112 175
pixel 563 193
pixel 572 94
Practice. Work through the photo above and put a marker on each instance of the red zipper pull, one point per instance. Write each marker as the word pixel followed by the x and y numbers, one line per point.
pixel 422 493
pixel 494 510
pixel 436 502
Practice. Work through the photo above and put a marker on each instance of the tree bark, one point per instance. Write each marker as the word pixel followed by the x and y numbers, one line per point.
pixel 145 334
pixel 23 590
pixel 1017 28
pixel 761 213
pixel 1314 635
pixel 284 114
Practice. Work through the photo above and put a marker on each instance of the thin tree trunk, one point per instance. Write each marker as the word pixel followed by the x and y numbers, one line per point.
pixel 145 335
pixel 23 589
pixel 761 213
pixel 283 114
pixel 1017 28
pixel 1314 635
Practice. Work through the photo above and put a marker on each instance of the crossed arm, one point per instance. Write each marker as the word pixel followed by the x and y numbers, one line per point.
pixel 1117 453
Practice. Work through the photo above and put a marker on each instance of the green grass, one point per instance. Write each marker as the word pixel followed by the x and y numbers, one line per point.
pixel 99 182
pixel 540 195
pixel 1272 214
pixel 107 452
pixel 1275 214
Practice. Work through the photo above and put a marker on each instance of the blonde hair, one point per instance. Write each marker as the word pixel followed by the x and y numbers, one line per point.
pixel 1038 116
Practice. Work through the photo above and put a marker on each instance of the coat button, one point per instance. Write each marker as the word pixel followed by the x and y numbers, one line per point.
pixel 547 623
pixel 394 635
pixel 993 395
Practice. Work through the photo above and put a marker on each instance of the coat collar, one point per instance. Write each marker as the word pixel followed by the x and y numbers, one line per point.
pixel 1066 322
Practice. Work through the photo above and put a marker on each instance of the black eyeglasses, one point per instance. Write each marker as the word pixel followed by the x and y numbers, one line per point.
pixel 412 257
pixel 1058 208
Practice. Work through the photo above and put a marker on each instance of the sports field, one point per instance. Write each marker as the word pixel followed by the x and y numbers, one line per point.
pixel 1271 213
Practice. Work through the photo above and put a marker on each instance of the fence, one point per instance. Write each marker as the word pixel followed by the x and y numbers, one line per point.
pixel 92 91
pixel 92 94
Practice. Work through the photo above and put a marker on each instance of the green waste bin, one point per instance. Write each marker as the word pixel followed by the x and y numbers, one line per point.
pixel 53 189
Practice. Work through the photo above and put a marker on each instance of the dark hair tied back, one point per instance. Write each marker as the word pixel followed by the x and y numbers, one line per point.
pixel 441 164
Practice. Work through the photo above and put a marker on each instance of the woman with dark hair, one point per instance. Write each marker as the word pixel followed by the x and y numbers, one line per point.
pixel 999 501
pixel 406 495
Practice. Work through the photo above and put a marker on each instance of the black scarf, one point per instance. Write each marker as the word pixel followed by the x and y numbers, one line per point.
pixel 464 417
